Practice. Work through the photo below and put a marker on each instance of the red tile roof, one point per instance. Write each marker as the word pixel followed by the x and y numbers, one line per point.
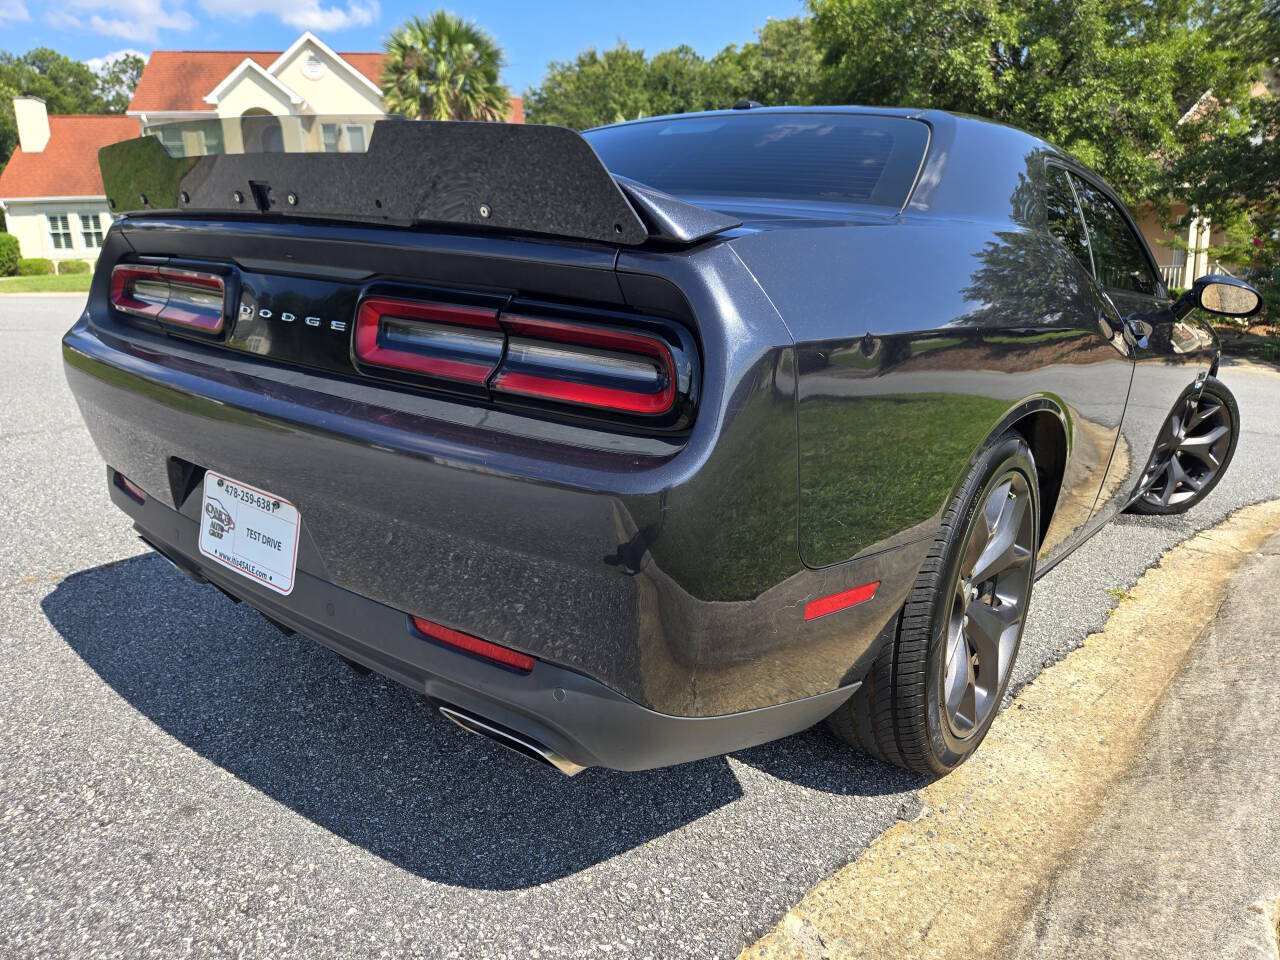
pixel 181 79
pixel 68 165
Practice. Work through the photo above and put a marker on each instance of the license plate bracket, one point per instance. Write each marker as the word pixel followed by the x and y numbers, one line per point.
pixel 250 531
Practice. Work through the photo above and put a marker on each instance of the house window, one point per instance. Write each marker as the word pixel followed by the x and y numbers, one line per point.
pixel 59 231
pixel 329 132
pixel 171 136
pixel 213 137
pixel 91 230
pixel 355 138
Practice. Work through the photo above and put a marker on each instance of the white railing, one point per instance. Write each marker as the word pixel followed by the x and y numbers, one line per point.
pixel 1172 275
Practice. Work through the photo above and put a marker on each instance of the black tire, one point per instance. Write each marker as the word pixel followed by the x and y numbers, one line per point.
pixel 1179 475
pixel 898 714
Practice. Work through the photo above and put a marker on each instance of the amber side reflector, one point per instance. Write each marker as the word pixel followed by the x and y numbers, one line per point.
pixel 840 601
pixel 481 648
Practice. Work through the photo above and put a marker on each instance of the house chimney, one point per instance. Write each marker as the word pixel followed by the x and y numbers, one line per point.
pixel 33 123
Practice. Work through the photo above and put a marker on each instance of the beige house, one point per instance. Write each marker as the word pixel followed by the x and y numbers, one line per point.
pixel 1179 267
pixel 307 97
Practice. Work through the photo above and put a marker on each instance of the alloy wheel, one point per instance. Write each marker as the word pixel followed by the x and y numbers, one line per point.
pixel 1189 453
pixel 988 606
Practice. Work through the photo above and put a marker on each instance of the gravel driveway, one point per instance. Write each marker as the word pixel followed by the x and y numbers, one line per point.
pixel 177 778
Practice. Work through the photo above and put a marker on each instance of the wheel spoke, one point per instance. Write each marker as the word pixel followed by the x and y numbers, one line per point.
pixel 993 583
pixel 1192 481
pixel 966 712
pixel 958 670
pixel 986 525
pixel 1003 551
pixel 987 626
pixel 1201 447
pixel 1203 411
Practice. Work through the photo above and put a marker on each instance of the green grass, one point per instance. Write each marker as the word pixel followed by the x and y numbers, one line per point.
pixel 66 283
pixel 871 467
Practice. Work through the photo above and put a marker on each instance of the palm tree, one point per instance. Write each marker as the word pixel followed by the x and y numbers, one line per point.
pixel 444 68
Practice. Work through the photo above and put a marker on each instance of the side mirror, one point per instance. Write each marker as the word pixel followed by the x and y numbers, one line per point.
pixel 1223 295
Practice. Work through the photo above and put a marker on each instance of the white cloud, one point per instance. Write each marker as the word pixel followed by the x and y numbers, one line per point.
pixel 303 14
pixel 128 19
pixel 14 10
pixel 98 64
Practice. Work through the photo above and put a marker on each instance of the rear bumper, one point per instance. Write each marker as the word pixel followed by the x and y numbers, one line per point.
pixel 572 715
pixel 665 571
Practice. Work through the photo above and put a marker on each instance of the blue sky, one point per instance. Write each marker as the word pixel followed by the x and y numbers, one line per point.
pixel 532 32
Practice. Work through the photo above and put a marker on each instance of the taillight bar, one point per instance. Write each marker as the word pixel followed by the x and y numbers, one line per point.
pixel 565 359
pixel 187 298
pixel 586 365
pixel 446 341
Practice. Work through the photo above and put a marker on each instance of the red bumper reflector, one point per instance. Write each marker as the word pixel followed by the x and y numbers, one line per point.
pixel 131 488
pixel 481 648
pixel 839 601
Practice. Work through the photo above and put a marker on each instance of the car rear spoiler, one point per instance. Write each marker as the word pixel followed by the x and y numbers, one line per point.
pixel 500 176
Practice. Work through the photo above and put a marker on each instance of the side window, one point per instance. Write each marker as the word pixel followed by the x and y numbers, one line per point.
pixel 1119 262
pixel 1063 215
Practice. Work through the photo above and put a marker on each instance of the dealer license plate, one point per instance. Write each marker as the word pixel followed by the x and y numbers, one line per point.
pixel 250 531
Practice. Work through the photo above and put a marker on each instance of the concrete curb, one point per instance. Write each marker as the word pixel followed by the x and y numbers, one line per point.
pixel 956 881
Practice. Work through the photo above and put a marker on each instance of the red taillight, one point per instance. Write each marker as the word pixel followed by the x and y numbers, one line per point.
pixel 447 341
pixel 186 298
pixel 586 365
pixel 481 648
pixel 522 358
pixel 839 601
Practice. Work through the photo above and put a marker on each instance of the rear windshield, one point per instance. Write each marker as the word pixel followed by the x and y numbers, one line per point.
pixel 822 157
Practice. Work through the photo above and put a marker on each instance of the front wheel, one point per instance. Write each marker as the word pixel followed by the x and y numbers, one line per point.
pixel 934 688
pixel 1194 450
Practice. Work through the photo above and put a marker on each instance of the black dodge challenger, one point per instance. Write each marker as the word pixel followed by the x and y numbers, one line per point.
pixel 652 443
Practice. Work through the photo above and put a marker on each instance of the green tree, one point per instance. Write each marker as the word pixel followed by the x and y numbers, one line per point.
pixel 592 89
pixel 444 68
pixel 1107 80
pixel 680 80
pixel 117 81
pixel 1230 169
pixel 780 67
pixel 65 85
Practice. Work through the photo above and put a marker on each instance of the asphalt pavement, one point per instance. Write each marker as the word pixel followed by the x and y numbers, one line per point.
pixel 179 779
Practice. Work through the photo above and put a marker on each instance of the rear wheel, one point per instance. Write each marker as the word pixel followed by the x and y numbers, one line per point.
pixel 935 687
pixel 1194 450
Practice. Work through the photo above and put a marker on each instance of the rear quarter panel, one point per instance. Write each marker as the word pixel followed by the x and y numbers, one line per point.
pixel 925 337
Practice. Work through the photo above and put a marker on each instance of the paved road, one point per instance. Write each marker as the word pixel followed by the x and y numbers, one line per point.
pixel 1182 861
pixel 176 778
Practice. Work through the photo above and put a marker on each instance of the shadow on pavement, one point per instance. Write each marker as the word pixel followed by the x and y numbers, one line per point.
pixel 371 760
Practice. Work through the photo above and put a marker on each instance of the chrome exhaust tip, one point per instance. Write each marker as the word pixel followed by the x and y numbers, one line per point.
pixel 512 740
